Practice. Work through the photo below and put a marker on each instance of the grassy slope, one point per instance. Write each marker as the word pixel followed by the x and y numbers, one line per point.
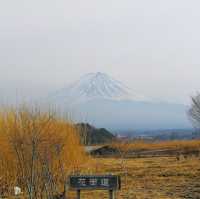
pixel 151 178
pixel 162 145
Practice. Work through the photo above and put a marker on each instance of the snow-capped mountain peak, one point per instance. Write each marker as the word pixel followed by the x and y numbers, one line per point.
pixel 102 101
pixel 95 86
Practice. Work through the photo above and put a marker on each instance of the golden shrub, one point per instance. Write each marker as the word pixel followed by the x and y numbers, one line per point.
pixel 37 151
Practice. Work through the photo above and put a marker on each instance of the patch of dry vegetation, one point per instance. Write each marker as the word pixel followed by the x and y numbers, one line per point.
pixel 37 153
pixel 151 178
pixel 141 145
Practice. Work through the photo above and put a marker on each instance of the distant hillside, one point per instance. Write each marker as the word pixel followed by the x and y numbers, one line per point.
pixel 165 134
pixel 91 135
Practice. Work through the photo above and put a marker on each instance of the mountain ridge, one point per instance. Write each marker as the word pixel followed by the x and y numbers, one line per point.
pixel 100 100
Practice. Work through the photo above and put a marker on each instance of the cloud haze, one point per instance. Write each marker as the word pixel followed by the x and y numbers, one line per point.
pixel 152 46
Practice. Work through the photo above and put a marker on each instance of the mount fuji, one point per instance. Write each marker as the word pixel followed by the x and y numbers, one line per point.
pixel 99 99
pixel 94 86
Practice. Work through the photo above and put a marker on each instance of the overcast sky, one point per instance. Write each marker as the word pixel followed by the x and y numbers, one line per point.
pixel 153 46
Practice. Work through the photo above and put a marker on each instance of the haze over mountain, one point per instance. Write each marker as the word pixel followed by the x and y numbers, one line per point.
pixel 103 101
pixel 95 86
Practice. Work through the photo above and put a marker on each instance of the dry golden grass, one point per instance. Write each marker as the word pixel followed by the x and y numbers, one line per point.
pixel 161 145
pixel 150 178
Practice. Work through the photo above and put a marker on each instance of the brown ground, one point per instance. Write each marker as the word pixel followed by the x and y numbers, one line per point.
pixel 151 178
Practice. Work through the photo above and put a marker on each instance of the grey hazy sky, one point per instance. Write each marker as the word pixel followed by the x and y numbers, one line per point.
pixel 151 45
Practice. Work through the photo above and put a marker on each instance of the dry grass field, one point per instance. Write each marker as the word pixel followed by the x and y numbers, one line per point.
pixel 142 145
pixel 150 178
pixel 176 175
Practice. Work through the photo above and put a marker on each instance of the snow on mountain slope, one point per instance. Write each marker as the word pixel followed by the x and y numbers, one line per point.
pixel 94 86
pixel 98 99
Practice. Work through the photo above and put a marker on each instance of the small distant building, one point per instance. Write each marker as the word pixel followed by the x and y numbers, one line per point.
pixel 105 150
pixel 90 149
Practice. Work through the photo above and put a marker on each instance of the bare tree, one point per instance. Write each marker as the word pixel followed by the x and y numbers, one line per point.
pixel 194 111
pixel 83 130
